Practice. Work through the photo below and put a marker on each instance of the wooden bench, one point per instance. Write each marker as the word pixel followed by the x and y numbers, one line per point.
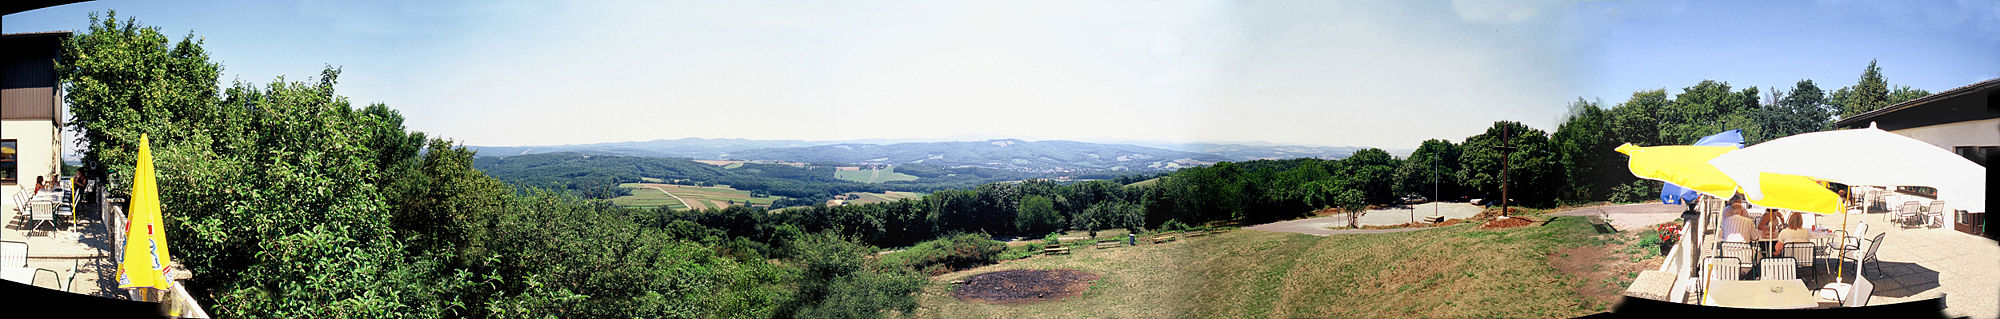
pixel 1196 233
pixel 1163 238
pixel 1058 250
pixel 1111 244
pixel 1600 225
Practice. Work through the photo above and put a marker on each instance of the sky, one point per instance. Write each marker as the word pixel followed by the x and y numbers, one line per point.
pixel 1330 73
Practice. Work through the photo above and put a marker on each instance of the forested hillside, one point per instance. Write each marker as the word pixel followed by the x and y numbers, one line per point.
pixel 597 176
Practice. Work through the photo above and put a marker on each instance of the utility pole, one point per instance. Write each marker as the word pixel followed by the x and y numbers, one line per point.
pixel 1506 134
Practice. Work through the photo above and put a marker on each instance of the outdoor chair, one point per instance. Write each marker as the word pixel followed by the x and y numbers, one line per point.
pixel 1864 257
pixel 1802 253
pixel 14 262
pixel 1934 214
pixel 1856 296
pixel 1744 253
pixel 1781 268
pixel 21 200
pixel 1906 213
pixel 38 216
pixel 1852 241
pixel 1712 266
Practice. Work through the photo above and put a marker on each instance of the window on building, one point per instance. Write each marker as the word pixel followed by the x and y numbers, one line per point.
pixel 1979 154
pixel 1988 154
pixel 9 153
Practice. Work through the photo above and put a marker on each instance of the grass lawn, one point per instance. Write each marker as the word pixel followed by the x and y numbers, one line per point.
pixel 873 175
pixel 1454 271
pixel 702 197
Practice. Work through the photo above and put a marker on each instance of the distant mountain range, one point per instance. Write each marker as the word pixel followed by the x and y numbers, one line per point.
pixel 1010 154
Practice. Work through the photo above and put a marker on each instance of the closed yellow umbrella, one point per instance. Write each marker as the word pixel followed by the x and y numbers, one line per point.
pixel 1687 166
pixel 145 262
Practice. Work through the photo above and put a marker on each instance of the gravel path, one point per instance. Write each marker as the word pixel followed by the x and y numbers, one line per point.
pixel 1318 226
pixel 1630 216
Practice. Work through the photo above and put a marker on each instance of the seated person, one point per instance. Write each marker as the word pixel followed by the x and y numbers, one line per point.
pixel 1771 221
pixel 1793 232
pixel 1738 227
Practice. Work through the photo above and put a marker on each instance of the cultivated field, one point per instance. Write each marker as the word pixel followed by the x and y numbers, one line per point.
pixel 685 197
pixel 872 175
pixel 866 198
pixel 719 162
pixel 1450 272
pixel 1149 182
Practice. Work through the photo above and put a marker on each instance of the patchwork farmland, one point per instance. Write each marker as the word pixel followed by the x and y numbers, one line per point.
pixel 687 197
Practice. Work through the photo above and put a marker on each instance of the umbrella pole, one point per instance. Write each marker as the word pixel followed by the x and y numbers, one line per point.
pixel 1841 267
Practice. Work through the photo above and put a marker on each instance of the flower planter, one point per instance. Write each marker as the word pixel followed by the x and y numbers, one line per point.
pixel 1666 247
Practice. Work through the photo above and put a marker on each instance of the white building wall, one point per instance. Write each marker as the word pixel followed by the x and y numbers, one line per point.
pixel 1969 133
pixel 40 155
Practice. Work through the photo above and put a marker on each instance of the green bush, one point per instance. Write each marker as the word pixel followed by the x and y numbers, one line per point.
pixel 1018 252
pixel 955 252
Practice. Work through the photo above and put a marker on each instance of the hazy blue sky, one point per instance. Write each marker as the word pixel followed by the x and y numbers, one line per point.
pixel 1385 74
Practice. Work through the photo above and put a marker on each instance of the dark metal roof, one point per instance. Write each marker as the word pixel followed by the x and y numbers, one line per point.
pixel 16 6
pixel 1863 118
pixel 36 34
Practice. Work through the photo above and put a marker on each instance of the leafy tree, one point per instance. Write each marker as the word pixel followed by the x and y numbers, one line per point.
pixel 1640 119
pixel 1532 172
pixel 1585 142
pixel 1868 94
pixel 122 80
pixel 1037 214
pixel 1694 113
pixel 1372 171
pixel 1906 93
pixel 1430 169
pixel 1801 110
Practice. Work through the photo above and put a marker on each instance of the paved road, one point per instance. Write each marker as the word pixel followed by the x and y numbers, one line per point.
pixel 1630 216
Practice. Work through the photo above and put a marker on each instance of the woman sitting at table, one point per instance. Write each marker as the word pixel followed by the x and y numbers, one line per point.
pixel 1793 232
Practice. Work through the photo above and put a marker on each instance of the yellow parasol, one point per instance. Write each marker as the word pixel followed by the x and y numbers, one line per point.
pixel 1687 166
pixel 145 262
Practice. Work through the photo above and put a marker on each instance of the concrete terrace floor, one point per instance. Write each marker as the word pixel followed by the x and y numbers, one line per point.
pixel 1920 263
pixel 77 253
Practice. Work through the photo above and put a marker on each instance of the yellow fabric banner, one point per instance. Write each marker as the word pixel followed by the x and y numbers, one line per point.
pixel 145 261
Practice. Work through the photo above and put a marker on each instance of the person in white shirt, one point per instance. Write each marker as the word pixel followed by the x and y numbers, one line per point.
pixel 1738 227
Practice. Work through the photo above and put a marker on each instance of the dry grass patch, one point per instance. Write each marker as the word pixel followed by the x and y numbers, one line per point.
pixel 1452 272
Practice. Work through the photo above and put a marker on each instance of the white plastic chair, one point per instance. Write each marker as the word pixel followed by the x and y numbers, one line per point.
pixel 14 263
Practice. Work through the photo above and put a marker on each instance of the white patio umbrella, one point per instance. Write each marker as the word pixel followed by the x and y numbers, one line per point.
pixel 1866 156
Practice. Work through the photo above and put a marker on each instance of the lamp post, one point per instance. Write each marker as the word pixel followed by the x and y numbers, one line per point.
pixel 1506 134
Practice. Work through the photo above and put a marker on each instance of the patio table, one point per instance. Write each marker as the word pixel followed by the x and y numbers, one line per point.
pixel 1761 294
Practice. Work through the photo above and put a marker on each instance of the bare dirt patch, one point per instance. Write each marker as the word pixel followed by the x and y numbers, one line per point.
pixel 1605 268
pixel 1507 223
pixel 1023 286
